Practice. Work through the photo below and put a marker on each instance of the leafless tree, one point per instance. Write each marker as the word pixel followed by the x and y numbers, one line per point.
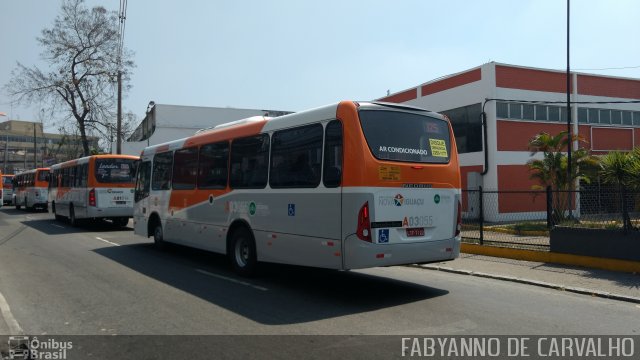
pixel 82 50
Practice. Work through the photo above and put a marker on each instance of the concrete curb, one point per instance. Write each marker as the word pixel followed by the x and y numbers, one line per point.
pixel 576 290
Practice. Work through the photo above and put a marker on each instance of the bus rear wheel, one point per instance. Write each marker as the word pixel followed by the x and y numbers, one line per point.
pixel 53 210
pixel 242 252
pixel 72 217
pixel 120 221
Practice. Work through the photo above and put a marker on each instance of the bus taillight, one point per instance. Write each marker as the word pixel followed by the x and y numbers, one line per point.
pixel 459 219
pixel 364 223
pixel 92 197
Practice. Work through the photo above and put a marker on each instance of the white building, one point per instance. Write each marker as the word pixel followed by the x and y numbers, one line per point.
pixel 164 123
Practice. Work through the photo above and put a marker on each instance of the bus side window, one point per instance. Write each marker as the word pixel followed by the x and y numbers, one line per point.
pixel 162 169
pixel 143 180
pixel 333 154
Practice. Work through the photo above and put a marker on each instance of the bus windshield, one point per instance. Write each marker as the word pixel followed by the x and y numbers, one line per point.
pixel 406 137
pixel 7 180
pixel 114 170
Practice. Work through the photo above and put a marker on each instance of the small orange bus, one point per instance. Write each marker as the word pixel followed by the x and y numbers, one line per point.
pixel 7 189
pixel 30 189
pixel 93 187
pixel 345 186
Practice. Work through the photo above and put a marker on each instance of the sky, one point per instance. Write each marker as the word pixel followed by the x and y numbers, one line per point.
pixel 296 55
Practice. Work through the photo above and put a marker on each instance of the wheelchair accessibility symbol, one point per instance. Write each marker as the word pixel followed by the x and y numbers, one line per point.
pixel 292 209
pixel 383 236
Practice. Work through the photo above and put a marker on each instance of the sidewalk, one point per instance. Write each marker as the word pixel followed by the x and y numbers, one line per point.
pixel 602 283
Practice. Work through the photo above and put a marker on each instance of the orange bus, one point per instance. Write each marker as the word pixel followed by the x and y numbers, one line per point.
pixel 93 187
pixel 345 186
pixel 7 189
pixel 30 189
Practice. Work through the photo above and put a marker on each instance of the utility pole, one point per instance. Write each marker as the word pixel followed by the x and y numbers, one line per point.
pixel 35 148
pixel 570 142
pixel 119 122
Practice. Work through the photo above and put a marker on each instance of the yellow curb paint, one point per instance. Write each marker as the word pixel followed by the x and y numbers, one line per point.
pixel 556 258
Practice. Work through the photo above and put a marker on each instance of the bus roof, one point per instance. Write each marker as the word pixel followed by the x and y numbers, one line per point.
pixel 86 159
pixel 32 171
pixel 257 124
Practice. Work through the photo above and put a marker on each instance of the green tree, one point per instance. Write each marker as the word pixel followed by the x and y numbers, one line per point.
pixel 83 52
pixel 551 170
pixel 622 170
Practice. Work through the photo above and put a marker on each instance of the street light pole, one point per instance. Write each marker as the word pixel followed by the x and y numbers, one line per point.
pixel 570 142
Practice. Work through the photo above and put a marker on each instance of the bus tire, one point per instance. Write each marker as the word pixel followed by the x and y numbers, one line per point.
pixel 158 235
pixel 72 216
pixel 120 221
pixel 242 252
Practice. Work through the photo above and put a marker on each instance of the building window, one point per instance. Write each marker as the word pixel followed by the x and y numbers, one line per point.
pixel 502 110
pixel 554 113
pixel 616 117
pixel 626 117
pixel 593 116
pixel 527 112
pixel 515 111
pixel 605 116
pixel 467 127
pixel 541 112
pixel 583 115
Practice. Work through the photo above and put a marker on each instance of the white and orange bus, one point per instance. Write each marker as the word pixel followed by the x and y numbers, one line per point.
pixel 30 189
pixel 7 189
pixel 93 187
pixel 345 186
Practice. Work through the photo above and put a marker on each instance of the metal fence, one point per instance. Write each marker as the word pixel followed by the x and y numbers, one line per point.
pixel 523 219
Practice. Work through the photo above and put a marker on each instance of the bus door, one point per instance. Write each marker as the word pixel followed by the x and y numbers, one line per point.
pixel 141 198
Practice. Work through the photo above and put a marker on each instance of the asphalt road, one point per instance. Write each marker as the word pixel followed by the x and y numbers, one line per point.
pixel 57 279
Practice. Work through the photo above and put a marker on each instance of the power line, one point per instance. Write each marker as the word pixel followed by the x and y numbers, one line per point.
pixel 611 68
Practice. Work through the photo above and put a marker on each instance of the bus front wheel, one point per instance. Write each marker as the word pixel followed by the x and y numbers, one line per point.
pixel 243 252
pixel 158 236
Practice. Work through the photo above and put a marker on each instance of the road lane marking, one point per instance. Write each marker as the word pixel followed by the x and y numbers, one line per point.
pixel 14 327
pixel 232 280
pixel 107 241
pixel 60 226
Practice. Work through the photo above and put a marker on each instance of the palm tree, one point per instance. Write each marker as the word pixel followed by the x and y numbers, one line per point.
pixel 551 170
pixel 621 169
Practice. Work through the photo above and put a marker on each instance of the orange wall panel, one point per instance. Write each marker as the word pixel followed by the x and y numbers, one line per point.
pixel 601 86
pixel 515 135
pixel 402 97
pixel 516 177
pixel 604 139
pixel 530 79
pixel 452 82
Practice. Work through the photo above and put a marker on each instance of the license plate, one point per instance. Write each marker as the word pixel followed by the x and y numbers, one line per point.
pixel 413 232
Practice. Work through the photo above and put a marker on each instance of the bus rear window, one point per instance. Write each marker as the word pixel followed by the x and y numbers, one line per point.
pixel 114 170
pixel 407 137
pixel 43 176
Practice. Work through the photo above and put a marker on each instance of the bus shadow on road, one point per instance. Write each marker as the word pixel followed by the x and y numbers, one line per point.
pixel 279 294
pixel 54 227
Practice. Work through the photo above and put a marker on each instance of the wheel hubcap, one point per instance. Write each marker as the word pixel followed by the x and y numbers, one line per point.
pixel 242 252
